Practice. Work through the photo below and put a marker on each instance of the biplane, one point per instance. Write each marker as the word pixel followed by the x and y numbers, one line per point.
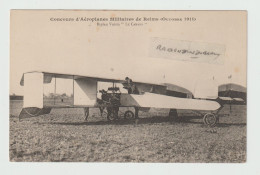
pixel 140 96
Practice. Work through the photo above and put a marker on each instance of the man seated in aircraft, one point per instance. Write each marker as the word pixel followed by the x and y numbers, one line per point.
pixel 130 86
pixel 128 80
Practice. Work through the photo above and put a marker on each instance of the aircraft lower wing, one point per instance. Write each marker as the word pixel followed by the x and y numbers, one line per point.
pixel 163 101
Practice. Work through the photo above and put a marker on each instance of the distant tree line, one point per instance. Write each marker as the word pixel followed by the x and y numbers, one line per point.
pixel 16 97
pixel 53 95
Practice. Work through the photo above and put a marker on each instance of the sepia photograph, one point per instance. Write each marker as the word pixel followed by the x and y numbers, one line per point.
pixel 139 86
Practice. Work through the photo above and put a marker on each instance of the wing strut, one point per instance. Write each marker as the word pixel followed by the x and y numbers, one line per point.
pixel 54 90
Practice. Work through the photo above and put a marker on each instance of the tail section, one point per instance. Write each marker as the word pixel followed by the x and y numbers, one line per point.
pixel 33 95
pixel 33 112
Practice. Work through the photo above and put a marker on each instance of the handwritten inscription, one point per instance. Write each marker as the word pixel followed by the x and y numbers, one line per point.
pixel 187 51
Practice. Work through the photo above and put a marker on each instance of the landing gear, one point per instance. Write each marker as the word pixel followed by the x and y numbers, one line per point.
pixel 210 119
pixel 136 112
pixel 136 115
pixel 112 113
pixel 86 112
pixel 173 115
pixel 129 115
pixel 101 109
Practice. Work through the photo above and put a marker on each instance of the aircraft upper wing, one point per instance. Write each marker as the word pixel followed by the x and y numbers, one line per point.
pixel 49 75
pixel 142 85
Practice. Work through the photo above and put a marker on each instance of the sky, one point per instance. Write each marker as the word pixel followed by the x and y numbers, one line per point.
pixel 39 43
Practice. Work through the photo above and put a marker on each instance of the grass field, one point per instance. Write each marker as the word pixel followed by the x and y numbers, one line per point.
pixel 63 135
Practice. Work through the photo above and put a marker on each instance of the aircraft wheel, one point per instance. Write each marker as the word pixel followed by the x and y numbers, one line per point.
pixel 210 119
pixel 129 115
pixel 112 115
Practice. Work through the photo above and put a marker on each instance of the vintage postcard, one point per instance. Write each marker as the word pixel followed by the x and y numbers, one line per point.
pixel 128 86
